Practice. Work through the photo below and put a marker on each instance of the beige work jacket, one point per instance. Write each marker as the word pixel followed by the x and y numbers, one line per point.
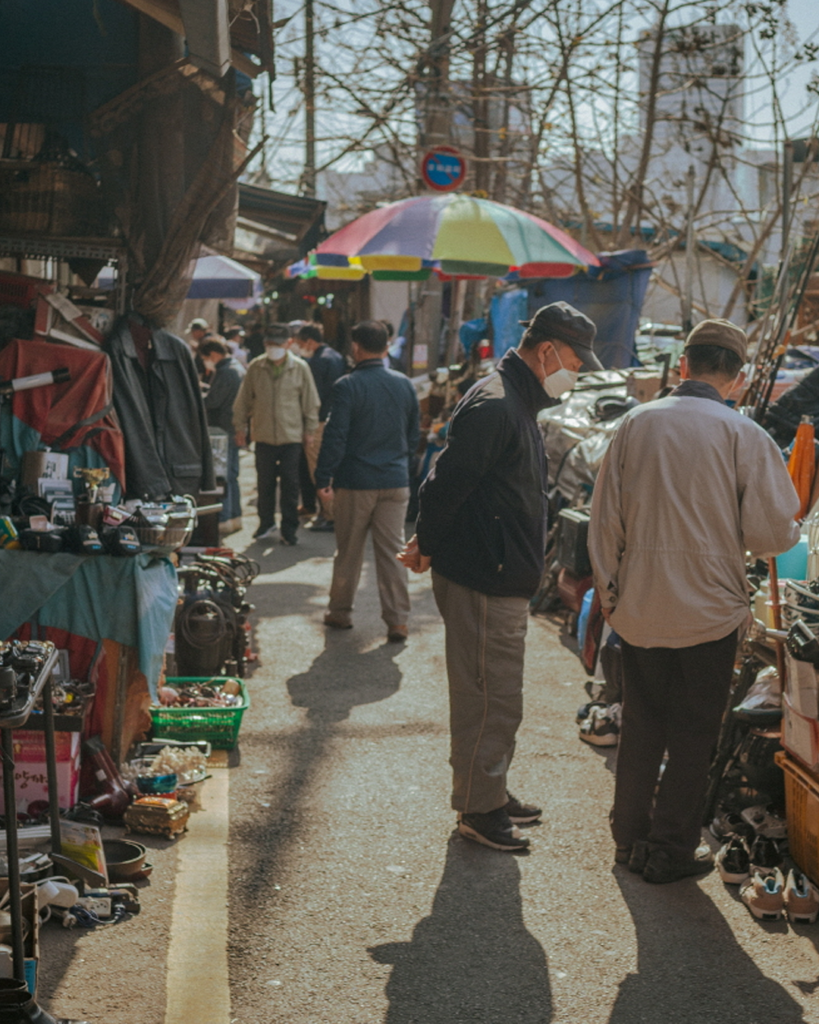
pixel 687 486
pixel 281 408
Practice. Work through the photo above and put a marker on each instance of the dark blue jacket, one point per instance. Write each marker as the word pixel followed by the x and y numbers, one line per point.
pixel 227 379
pixel 372 432
pixel 327 366
pixel 483 507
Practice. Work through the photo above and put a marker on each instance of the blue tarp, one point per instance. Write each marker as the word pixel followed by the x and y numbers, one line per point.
pixel 506 309
pixel 74 592
pixel 472 332
pixel 611 295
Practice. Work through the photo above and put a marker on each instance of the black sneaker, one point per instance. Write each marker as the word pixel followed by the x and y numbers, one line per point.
pixel 662 866
pixel 733 861
pixel 765 855
pixel 520 813
pixel 320 525
pixel 728 823
pixel 585 710
pixel 493 829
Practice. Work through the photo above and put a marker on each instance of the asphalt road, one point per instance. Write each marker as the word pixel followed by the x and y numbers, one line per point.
pixel 353 902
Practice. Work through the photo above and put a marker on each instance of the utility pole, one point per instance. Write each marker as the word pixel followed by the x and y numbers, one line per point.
pixel 690 246
pixel 309 176
pixel 480 104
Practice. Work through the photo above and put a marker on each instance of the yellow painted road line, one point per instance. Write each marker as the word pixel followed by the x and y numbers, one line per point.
pixel 198 987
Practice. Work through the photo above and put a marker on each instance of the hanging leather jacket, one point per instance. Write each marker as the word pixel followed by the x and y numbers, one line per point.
pixel 159 404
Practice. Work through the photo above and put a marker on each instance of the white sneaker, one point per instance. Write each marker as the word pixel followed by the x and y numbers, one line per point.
pixel 602 727
pixel 268 534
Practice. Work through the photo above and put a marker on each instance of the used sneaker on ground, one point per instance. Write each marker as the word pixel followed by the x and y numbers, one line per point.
pixel 734 861
pixel 585 710
pixel 765 822
pixel 663 866
pixel 763 894
pixel 602 727
pixel 494 829
pixel 765 854
pixel 801 899
pixel 266 533
pixel 727 823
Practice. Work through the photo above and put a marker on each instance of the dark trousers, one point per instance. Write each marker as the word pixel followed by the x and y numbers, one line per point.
pixel 673 699
pixel 231 502
pixel 278 463
pixel 308 488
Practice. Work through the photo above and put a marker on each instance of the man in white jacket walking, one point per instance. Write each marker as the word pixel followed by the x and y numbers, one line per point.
pixel 687 487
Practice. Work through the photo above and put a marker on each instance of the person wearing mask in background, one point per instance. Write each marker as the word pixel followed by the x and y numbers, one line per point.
pixel 253 342
pixel 279 399
pixel 234 336
pixel 686 487
pixel 363 468
pixel 226 375
pixel 327 366
pixel 197 331
pixel 482 528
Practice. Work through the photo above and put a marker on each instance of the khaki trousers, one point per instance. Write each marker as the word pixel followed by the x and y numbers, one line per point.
pixel 382 512
pixel 485 639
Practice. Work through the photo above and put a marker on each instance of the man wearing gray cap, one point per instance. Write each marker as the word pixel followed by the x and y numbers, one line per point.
pixel 481 527
pixel 687 487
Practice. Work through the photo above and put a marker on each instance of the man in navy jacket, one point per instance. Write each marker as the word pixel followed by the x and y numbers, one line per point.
pixel 364 469
pixel 482 528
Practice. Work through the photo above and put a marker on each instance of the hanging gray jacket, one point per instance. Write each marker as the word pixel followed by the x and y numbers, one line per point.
pixel 167 447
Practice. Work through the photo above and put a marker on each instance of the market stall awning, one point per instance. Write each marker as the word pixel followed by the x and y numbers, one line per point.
pixel 277 226
pixel 218 277
pixel 214 277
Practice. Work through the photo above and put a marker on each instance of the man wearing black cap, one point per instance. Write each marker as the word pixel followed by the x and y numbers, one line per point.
pixel 481 527
pixel 686 488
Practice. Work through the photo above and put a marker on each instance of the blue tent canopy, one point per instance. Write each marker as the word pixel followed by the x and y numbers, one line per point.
pixel 214 277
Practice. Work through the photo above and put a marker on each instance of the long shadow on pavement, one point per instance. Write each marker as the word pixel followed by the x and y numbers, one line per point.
pixel 341 678
pixel 472 960
pixel 690 967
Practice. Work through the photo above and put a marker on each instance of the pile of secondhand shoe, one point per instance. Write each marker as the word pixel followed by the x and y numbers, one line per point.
pixel 752 857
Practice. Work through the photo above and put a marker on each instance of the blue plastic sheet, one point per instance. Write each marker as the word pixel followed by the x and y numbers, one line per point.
pixel 506 309
pixel 472 332
pixel 130 600
pixel 611 295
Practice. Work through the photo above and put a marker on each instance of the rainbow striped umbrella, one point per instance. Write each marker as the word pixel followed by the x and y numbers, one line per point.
pixel 456 235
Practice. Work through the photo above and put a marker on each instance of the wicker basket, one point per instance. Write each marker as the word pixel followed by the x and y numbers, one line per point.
pixel 44 198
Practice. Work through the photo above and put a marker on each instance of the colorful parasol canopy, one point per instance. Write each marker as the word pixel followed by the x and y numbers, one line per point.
pixel 456 235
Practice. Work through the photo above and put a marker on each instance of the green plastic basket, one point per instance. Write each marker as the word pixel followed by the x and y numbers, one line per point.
pixel 219 726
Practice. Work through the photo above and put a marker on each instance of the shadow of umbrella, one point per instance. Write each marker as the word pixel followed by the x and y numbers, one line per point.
pixel 472 959
pixel 690 968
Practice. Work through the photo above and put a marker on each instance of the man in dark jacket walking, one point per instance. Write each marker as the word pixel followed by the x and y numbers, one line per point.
pixel 482 528
pixel 371 436
pixel 327 366
pixel 226 375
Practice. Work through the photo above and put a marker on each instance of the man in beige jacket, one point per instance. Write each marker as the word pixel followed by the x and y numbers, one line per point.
pixel 278 398
pixel 688 486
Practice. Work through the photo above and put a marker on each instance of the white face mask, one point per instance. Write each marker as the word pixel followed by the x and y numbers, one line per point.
pixel 562 380
pixel 276 352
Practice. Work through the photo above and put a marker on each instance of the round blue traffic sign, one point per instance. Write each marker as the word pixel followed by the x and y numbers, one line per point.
pixel 443 168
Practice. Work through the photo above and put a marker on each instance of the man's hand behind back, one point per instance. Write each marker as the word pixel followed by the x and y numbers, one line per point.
pixel 410 556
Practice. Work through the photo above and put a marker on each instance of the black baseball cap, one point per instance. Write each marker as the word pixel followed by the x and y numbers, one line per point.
pixel 561 322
